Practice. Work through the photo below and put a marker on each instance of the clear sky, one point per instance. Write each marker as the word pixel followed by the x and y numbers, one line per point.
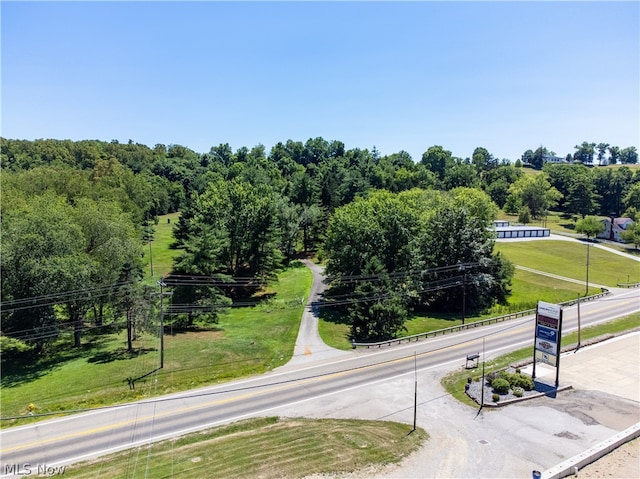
pixel 507 76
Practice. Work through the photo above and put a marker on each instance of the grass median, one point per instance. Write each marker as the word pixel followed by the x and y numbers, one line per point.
pixel 265 447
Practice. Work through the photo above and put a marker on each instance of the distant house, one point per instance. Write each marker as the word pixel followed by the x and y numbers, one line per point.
pixel 613 227
pixel 553 159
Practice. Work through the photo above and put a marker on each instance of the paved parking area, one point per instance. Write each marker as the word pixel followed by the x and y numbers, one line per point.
pixel 510 441
pixel 611 366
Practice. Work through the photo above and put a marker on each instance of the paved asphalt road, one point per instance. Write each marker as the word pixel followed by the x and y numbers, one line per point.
pixel 320 381
pixel 292 389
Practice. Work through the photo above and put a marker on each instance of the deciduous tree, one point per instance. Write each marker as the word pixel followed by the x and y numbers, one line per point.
pixel 590 226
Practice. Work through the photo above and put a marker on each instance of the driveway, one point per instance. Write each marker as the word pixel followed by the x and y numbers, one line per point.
pixel 309 345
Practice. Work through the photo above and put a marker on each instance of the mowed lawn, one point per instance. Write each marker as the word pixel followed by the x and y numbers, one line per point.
pixel 563 258
pixel 264 447
pixel 569 259
pixel 159 253
pixel 246 341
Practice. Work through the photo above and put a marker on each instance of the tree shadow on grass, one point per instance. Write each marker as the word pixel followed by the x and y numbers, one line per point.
pixel 569 226
pixel 332 315
pixel 119 354
pixel 174 330
pixel 26 369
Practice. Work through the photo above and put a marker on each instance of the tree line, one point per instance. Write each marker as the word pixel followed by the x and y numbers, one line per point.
pixel 75 213
pixel 587 153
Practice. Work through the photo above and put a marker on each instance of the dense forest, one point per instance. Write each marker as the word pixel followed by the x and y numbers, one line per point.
pixel 75 215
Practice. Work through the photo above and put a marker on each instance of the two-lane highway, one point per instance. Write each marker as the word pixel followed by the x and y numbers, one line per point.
pixel 91 434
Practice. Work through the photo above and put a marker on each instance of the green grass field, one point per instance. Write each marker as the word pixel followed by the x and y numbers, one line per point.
pixel 161 254
pixel 569 259
pixel 245 341
pixel 246 449
pixel 257 339
pixel 563 258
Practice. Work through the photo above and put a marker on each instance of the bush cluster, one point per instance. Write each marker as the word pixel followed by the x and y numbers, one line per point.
pixel 500 386
pixel 518 380
pixel 502 382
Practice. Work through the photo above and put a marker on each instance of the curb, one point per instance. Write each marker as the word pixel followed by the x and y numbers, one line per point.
pixel 506 402
pixel 574 464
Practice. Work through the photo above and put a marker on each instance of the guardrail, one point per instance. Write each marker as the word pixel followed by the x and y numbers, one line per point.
pixel 628 285
pixel 463 327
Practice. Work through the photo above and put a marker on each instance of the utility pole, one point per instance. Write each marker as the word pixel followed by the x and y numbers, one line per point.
pixel 150 257
pixel 148 230
pixel 586 293
pixel 483 379
pixel 464 294
pixel 463 268
pixel 415 390
pixel 578 323
pixel 162 284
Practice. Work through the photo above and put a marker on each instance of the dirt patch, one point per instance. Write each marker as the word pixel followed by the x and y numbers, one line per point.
pixel 621 463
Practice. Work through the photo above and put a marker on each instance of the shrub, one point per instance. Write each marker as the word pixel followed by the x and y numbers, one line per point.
pixel 522 381
pixel 518 392
pixel 491 376
pixel 13 349
pixel 496 397
pixel 500 385
pixel 518 380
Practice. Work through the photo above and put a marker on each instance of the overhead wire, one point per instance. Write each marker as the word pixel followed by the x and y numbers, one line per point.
pixel 51 331
pixel 181 397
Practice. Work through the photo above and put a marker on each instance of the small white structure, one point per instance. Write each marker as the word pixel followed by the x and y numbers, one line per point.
pixel 557 160
pixel 504 231
pixel 613 227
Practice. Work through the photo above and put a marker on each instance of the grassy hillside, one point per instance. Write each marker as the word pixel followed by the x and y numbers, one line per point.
pixel 158 252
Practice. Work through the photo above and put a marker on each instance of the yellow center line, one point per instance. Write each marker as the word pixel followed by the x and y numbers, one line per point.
pixel 268 390
pixel 152 417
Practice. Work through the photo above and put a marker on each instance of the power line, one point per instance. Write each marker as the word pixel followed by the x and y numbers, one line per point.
pixel 248 388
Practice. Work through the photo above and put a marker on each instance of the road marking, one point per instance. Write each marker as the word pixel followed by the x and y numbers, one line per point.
pixel 271 388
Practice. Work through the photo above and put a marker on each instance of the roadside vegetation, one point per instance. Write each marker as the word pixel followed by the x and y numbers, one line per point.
pixel 98 374
pixel 81 303
pixel 247 340
pixel 563 258
pixel 454 382
pixel 246 449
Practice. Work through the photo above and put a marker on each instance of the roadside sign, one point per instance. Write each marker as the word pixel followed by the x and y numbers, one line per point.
pixel 548 335
pixel 546 358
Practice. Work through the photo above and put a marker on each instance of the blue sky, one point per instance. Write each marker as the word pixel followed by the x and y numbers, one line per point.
pixel 507 76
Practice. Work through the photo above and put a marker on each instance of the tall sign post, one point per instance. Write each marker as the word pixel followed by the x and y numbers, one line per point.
pixel 548 337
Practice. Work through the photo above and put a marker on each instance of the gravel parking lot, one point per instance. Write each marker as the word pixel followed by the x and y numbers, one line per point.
pixel 505 442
